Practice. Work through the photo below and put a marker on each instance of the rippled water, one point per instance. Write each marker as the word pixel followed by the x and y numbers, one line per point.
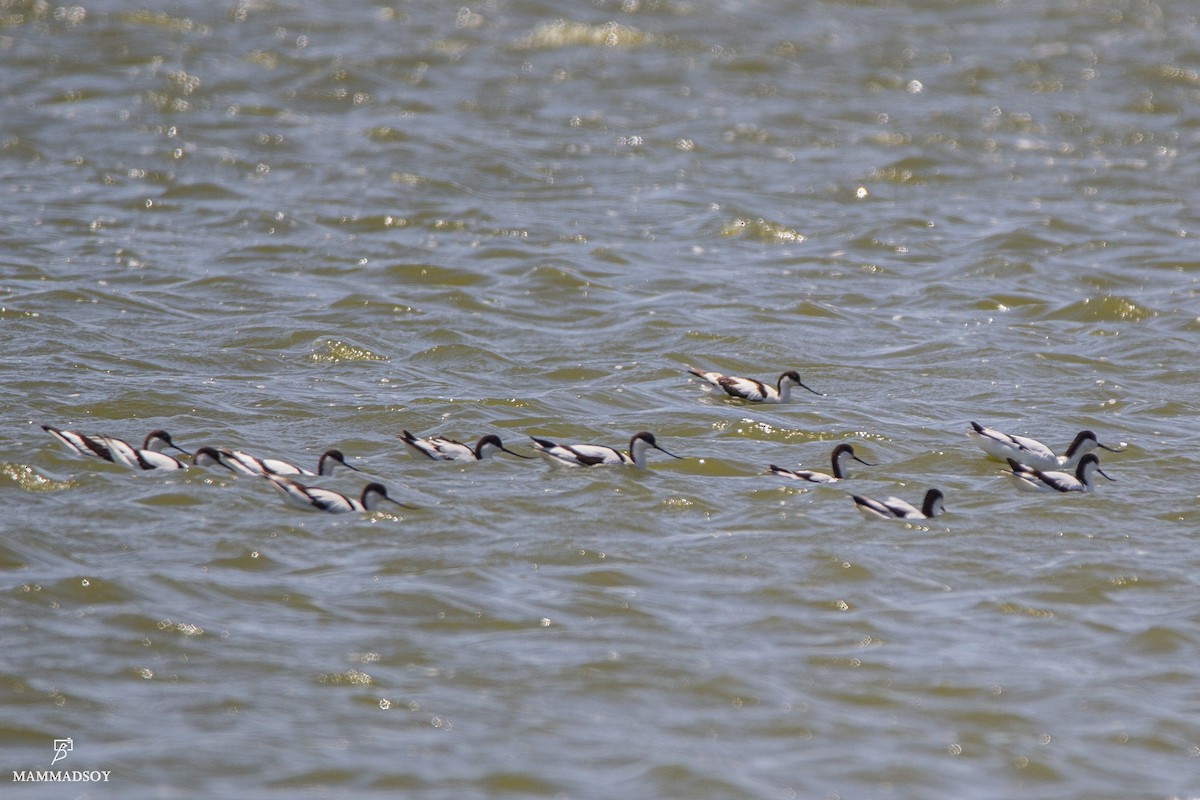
pixel 289 227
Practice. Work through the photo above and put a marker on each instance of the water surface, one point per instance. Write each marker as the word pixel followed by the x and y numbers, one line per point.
pixel 289 227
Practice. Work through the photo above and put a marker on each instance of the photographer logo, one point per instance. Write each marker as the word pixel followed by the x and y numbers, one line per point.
pixel 61 748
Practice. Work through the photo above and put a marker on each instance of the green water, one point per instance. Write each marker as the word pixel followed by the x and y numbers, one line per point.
pixel 290 227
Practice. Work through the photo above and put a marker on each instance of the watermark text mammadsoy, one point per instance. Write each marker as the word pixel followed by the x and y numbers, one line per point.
pixel 60 775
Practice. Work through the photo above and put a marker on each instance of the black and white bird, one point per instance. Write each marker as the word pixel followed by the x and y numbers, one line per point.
pixel 753 390
pixel 1034 479
pixel 1031 452
pixel 895 508
pixel 313 498
pixel 439 448
pixel 118 451
pixel 591 455
pixel 243 463
pixel 837 458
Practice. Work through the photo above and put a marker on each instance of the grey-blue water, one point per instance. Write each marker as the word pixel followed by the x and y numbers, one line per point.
pixel 287 227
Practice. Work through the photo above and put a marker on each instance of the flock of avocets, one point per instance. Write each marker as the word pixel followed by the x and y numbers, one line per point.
pixel 1032 464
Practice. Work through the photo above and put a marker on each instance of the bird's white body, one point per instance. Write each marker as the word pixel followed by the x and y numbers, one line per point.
pixel 1031 452
pixel 592 455
pixel 313 498
pixel 118 451
pixel 895 508
pixel 1034 479
pixel 439 448
pixel 750 389
pixel 243 463
pixel 837 458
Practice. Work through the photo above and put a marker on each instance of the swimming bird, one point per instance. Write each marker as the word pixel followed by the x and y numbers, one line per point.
pixel 1031 452
pixel 591 455
pixel 243 463
pixel 119 451
pixel 895 508
pixel 1033 479
pixel 312 498
pixel 753 390
pixel 439 448
pixel 839 455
